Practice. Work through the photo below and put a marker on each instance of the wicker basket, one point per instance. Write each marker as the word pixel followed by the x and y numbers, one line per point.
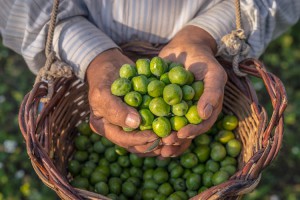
pixel 49 132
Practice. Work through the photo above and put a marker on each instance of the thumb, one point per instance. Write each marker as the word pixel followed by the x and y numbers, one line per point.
pixel 212 97
pixel 114 110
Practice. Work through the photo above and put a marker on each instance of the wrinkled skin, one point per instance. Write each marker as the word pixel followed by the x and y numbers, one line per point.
pixel 194 48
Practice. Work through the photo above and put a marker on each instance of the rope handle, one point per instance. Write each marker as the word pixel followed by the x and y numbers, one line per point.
pixel 51 28
pixel 234 44
pixel 50 54
pixel 53 68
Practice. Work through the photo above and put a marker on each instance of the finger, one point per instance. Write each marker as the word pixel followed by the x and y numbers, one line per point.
pixel 174 151
pixel 118 136
pixel 171 139
pixel 113 109
pixel 192 130
pixel 170 57
pixel 149 147
pixel 142 150
pixel 93 128
pixel 212 97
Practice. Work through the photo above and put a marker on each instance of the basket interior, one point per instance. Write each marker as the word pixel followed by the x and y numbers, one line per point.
pixel 61 116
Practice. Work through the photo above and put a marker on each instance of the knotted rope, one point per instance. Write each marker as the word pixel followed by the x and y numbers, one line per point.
pixel 54 68
pixel 234 44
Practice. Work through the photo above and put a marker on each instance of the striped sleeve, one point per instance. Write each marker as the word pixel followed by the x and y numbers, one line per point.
pixel 24 26
pixel 267 20
pixel 262 21
pixel 78 42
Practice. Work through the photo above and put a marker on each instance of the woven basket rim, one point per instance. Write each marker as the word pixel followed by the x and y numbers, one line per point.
pixel 242 182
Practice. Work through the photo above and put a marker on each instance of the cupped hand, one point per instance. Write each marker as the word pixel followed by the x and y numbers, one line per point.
pixel 108 112
pixel 195 48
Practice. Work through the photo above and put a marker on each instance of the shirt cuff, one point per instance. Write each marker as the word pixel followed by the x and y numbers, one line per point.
pixel 77 42
pixel 219 21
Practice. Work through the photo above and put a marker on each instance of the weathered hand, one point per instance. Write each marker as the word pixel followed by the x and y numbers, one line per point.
pixel 108 112
pixel 195 48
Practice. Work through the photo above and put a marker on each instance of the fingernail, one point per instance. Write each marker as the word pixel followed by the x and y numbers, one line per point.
pixel 207 111
pixel 132 120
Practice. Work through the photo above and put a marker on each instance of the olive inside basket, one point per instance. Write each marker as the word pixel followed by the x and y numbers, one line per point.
pixel 49 132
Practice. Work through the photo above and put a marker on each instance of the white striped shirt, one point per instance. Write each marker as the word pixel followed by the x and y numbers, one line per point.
pixel 86 28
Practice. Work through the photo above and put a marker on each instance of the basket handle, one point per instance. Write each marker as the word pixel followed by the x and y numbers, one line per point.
pixel 54 68
pixel 269 144
pixel 278 97
pixel 274 86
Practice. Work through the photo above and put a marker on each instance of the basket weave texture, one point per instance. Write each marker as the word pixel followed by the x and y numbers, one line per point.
pixel 49 132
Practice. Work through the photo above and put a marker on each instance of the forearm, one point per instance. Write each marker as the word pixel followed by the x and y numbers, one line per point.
pixel 76 40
